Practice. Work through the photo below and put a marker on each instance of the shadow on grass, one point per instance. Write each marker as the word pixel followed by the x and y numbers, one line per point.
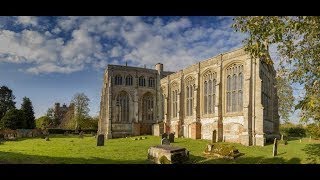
pixel 19 158
pixel 313 152
pixel 242 160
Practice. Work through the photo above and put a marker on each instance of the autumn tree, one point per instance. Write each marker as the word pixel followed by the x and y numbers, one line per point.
pixel 298 44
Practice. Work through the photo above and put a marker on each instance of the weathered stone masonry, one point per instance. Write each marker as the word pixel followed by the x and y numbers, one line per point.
pixel 230 93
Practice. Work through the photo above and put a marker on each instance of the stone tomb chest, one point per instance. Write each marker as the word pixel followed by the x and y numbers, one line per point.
pixel 167 154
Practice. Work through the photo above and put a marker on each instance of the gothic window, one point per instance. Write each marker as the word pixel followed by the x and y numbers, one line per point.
pixel 174 95
pixel 234 90
pixel 151 82
pixel 162 104
pixel 209 94
pixel 123 107
pixel 142 81
pixel 265 95
pixel 118 80
pixel 189 96
pixel 147 107
pixel 129 80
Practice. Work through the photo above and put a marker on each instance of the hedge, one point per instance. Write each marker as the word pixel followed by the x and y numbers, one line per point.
pixel 71 131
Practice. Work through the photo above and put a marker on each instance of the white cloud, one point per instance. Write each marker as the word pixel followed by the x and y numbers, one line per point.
pixel 27 20
pixel 97 41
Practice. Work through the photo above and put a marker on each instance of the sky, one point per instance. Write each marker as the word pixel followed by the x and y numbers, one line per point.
pixel 49 59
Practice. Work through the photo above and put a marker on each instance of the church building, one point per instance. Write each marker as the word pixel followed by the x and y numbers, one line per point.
pixel 230 97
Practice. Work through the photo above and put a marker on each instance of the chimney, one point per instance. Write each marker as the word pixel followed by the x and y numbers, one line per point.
pixel 159 68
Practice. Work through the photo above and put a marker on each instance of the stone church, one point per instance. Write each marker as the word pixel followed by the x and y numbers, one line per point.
pixel 230 97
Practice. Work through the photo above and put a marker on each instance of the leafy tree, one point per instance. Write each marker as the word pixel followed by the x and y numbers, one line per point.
pixel 89 123
pixel 13 119
pixel 81 103
pixel 43 122
pixel 6 100
pixel 54 121
pixel 314 130
pixel 286 98
pixel 27 109
pixel 298 44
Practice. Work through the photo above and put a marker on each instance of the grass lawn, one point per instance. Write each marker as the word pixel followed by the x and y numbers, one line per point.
pixel 73 150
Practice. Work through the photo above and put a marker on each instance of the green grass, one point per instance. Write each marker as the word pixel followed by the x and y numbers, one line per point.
pixel 73 150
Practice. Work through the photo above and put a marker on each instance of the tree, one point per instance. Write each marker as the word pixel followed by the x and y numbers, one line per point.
pixel 27 109
pixel 43 122
pixel 81 103
pixel 13 119
pixel 286 98
pixel 6 100
pixel 54 121
pixel 298 44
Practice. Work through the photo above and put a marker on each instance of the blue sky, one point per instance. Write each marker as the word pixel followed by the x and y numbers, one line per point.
pixel 49 59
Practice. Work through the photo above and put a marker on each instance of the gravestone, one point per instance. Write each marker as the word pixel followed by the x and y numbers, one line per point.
pixel 171 137
pixel 81 134
pixel 281 137
pixel 214 136
pixel 100 141
pixel 47 138
pixel 165 141
pixel 164 135
pixel 310 139
pixel 275 147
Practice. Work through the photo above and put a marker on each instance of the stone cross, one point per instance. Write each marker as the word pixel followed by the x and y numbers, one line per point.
pixel 171 137
pixel 164 135
pixel 214 136
pixel 275 147
pixel 165 141
pixel 100 141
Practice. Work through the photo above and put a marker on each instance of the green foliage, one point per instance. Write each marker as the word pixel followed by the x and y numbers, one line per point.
pixel 54 121
pixel 6 100
pixel 313 130
pixel 81 104
pixel 286 98
pixel 27 109
pixel 298 43
pixel 13 119
pixel 89 123
pixel 43 122
pixel 291 130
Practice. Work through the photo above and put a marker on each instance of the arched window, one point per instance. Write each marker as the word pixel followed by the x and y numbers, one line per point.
pixel 151 82
pixel 174 95
pixel 234 90
pixel 162 104
pixel 129 80
pixel 147 107
pixel 142 81
pixel 123 107
pixel 209 94
pixel 190 82
pixel 118 80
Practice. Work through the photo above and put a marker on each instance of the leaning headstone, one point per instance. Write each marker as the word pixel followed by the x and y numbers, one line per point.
pixel 275 147
pixel 214 136
pixel 164 135
pixel 100 141
pixel 47 138
pixel 171 137
pixel 165 141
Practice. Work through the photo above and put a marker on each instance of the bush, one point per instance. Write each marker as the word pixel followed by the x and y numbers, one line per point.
pixel 313 130
pixel 291 130
pixel 43 121
pixel 164 160
pixel 62 131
